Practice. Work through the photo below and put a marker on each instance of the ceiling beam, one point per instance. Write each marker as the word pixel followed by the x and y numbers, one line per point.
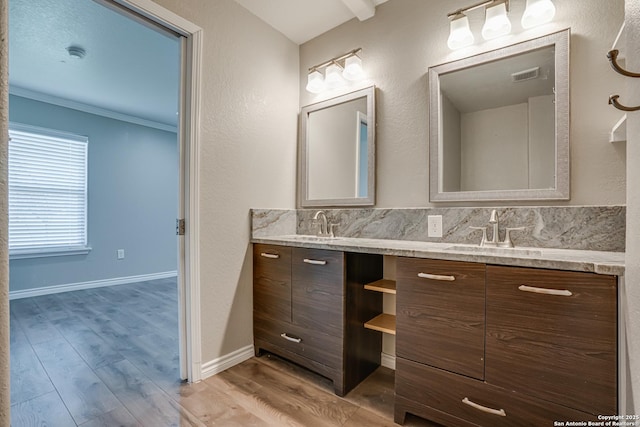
pixel 362 9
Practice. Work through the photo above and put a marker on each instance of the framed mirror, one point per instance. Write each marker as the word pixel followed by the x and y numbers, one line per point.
pixel 499 124
pixel 337 151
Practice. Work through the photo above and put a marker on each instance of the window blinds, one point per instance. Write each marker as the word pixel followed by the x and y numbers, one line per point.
pixel 47 190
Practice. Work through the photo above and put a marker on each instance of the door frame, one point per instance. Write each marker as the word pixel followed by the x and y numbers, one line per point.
pixel 189 186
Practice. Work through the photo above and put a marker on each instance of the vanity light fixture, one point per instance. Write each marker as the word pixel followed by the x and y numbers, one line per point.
pixel 333 76
pixel 538 12
pixel 496 22
pixel 336 72
pixel 460 35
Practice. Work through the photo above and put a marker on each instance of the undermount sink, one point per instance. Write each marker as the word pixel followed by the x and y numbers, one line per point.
pixel 495 250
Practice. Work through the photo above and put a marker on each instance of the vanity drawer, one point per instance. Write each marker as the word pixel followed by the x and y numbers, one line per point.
pixel 440 314
pixel 272 281
pixel 552 334
pixel 314 345
pixel 318 290
pixel 460 401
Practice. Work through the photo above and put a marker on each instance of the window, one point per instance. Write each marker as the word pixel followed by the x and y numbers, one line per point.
pixel 47 192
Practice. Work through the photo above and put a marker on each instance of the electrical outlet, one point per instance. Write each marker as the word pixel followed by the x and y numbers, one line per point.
pixel 120 253
pixel 434 223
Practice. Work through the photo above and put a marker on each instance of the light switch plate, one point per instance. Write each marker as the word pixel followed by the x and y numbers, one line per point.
pixel 434 223
pixel 120 253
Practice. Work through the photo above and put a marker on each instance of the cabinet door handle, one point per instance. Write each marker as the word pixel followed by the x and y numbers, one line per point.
pixel 437 277
pixel 292 339
pixel 499 412
pixel 314 261
pixel 559 292
pixel 268 255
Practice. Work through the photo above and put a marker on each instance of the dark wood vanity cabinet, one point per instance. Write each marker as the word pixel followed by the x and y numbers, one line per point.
pixel 310 307
pixel 549 354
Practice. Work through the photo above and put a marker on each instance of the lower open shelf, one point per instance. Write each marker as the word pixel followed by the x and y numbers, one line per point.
pixel 383 322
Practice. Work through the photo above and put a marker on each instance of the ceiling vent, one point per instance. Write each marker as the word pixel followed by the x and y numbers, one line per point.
pixel 530 74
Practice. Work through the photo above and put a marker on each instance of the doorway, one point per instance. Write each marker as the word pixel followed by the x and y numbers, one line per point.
pixel 148 13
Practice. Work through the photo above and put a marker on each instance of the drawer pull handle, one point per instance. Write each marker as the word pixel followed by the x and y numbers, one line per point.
pixel 268 255
pixel 314 261
pixel 499 412
pixel 437 277
pixel 559 292
pixel 292 339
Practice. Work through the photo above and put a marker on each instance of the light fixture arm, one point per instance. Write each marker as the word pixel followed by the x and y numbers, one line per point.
pixel 476 6
pixel 335 60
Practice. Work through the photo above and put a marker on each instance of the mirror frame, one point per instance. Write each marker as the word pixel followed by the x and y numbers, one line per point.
pixel 562 190
pixel 303 190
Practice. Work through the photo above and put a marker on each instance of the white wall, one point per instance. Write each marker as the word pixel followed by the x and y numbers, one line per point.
pixel 541 141
pixel 247 153
pixel 5 399
pixel 452 154
pixel 406 37
pixel 631 97
pixel 488 138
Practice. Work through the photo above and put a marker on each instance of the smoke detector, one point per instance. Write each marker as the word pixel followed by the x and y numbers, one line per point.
pixel 76 52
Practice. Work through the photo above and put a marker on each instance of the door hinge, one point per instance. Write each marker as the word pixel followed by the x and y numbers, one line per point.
pixel 180 227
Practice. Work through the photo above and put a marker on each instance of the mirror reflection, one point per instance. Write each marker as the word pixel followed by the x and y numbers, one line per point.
pixel 498 130
pixel 499 124
pixel 337 151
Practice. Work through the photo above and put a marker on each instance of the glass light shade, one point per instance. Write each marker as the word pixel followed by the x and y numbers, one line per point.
pixel 538 12
pixel 496 22
pixel 353 68
pixel 334 77
pixel 460 34
pixel 315 82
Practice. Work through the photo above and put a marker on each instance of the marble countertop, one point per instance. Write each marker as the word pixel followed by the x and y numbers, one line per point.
pixel 610 263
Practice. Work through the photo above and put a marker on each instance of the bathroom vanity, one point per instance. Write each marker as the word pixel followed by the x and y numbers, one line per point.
pixel 483 338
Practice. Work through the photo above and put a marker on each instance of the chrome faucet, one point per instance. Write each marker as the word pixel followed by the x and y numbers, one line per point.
pixel 325 229
pixel 495 238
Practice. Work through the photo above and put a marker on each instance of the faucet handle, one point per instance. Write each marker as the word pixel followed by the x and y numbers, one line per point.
pixel 507 236
pixel 330 226
pixel 484 234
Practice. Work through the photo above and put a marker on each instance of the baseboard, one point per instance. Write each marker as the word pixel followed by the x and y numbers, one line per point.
pixel 388 361
pixel 56 289
pixel 218 365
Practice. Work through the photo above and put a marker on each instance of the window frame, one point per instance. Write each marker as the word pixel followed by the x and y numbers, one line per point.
pixel 51 250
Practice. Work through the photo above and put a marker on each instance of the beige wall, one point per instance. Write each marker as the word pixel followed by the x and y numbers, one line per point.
pixel 247 156
pixel 4 223
pixel 631 96
pixel 406 37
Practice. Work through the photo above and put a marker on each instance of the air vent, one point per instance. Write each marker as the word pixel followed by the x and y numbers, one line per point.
pixel 529 74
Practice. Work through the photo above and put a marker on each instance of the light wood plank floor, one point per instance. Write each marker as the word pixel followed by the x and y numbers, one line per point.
pixel 109 357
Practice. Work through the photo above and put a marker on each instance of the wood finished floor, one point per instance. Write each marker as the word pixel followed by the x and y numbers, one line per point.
pixel 109 357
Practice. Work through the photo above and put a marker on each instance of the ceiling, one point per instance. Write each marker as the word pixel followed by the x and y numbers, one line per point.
pixel 130 68
pixel 125 64
pixel 302 20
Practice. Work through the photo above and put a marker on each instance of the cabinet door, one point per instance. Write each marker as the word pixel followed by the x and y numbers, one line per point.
pixel 272 282
pixel 552 335
pixel 318 281
pixel 440 312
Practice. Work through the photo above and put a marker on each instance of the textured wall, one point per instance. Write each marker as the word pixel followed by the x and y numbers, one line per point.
pixel 247 154
pixel 4 253
pixel 406 37
pixel 133 199
pixel 631 97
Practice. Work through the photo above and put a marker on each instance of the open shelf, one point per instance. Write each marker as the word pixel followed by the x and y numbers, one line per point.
pixel 619 130
pixel 383 285
pixel 383 322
